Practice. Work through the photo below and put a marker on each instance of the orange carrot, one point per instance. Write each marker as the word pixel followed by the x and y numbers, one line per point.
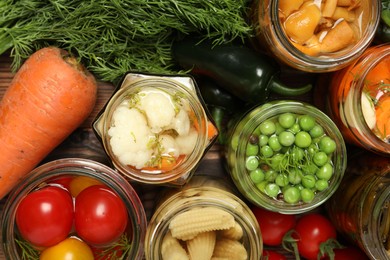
pixel 48 98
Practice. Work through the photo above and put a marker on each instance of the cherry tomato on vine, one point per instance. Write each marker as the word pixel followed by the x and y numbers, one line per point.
pixel 272 255
pixel 312 231
pixel 100 215
pixel 273 225
pixel 70 248
pixel 45 216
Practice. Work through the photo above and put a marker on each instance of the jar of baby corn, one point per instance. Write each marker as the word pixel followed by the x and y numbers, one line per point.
pixel 203 219
pixel 315 35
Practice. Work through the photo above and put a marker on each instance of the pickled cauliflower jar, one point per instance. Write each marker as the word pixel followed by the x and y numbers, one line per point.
pixel 357 98
pixel 155 129
pixel 316 35
pixel 359 209
pixel 203 220
pixel 286 156
pixel 74 208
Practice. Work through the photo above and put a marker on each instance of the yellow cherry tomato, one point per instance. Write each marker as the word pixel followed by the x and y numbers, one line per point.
pixel 69 249
pixel 80 183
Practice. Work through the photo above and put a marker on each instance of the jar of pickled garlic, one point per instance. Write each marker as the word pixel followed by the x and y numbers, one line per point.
pixel 315 35
pixel 201 220
pixel 357 98
pixel 286 156
pixel 75 208
pixel 156 129
pixel 359 209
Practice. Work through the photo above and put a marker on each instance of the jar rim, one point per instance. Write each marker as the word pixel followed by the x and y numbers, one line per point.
pixel 180 171
pixel 269 110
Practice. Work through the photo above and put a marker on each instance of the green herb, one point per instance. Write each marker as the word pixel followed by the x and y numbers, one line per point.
pixel 28 252
pixel 385 13
pixel 112 37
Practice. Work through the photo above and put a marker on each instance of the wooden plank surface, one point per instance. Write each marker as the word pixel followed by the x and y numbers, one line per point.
pixel 84 144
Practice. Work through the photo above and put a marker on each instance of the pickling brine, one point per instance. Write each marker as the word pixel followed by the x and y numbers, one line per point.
pixel 316 35
pixel 358 100
pixel 155 129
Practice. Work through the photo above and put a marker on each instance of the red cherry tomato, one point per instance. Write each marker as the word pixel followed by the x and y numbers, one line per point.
pixel 45 216
pixel 349 253
pixel 100 215
pixel 272 255
pixel 311 231
pixel 273 225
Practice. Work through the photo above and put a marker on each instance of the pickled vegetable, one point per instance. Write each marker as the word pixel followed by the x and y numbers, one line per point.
pixel 321 27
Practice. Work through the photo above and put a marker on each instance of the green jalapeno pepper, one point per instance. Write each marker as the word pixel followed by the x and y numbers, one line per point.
pixel 382 34
pixel 245 73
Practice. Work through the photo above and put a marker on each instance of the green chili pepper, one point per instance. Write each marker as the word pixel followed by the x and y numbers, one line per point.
pixel 245 73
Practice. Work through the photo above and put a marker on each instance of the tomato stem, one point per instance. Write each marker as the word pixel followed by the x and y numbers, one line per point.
pixel 290 244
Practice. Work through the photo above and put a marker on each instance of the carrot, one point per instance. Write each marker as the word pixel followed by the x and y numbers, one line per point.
pixel 48 98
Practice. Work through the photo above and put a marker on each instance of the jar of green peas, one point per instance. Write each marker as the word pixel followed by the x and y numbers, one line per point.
pixel 286 156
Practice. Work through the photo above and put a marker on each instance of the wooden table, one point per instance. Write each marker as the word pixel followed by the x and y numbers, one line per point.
pixel 84 144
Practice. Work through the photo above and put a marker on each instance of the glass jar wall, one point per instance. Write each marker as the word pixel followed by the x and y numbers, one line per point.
pixel 360 207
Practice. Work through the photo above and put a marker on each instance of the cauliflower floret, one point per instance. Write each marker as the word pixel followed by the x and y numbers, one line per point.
pixel 168 145
pixel 181 123
pixel 130 136
pixel 187 143
pixel 158 109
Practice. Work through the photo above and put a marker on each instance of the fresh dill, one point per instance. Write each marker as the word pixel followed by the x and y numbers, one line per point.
pixel 112 37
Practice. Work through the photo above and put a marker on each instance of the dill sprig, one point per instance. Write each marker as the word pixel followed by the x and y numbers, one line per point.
pixel 112 37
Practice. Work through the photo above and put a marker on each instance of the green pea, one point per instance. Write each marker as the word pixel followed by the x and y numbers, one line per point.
pixel 252 149
pixel 261 186
pixel 327 145
pixel 286 120
pixel 294 176
pixel 257 175
pixel 286 138
pixel 307 122
pixel 267 127
pixel 266 151
pixel 297 155
pixel 309 181
pixel 270 175
pixel 251 163
pixel 325 172
pixel 281 180
pixel 263 140
pixel 273 142
pixel 279 162
pixel 292 195
pixel 307 195
pixel 320 158
pixel 309 168
pixel 272 190
pixel 295 128
pixel 303 139
pixel 279 128
pixel 316 131
pixel 321 184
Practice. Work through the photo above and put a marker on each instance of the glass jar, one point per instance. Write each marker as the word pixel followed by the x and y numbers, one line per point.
pixel 201 194
pixel 359 209
pixel 356 98
pixel 311 45
pixel 55 173
pixel 273 156
pixel 155 129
